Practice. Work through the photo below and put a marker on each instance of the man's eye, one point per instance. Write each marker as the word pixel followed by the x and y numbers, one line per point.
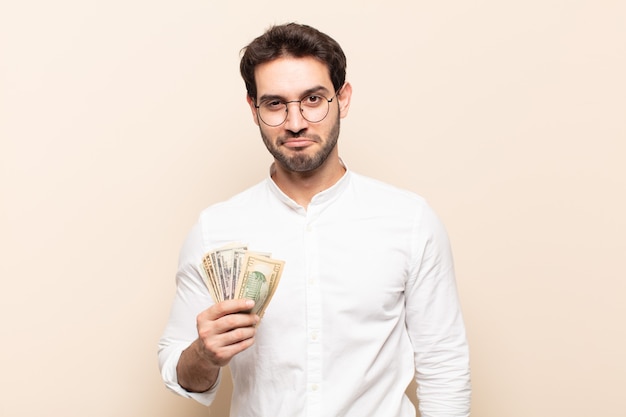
pixel 312 100
pixel 273 105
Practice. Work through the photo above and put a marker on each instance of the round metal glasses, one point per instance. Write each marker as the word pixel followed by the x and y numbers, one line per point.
pixel 313 108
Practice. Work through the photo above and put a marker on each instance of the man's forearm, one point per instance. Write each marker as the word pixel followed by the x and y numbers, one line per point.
pixel 195 373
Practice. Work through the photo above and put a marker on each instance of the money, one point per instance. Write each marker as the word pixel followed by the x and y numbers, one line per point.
pixel 232 271
pixel 220 269
pixel 258 280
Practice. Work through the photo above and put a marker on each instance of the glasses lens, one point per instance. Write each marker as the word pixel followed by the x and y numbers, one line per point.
pixel 314 108
pixel 273 113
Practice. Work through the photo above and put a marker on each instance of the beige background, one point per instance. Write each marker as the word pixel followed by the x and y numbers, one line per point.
pixel 121 120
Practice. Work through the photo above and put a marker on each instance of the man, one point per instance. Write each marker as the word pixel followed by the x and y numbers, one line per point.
pixel 367 299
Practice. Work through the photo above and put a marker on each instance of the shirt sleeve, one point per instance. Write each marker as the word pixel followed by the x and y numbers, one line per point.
pixel 435 323
pixel 190 299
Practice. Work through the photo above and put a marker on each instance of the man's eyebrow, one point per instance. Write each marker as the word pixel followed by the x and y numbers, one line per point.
pixel 316 89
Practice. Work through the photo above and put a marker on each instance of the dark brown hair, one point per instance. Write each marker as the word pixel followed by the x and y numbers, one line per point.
pixel 297 40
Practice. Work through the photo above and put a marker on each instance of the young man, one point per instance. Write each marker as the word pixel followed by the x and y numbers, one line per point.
pixel 367 300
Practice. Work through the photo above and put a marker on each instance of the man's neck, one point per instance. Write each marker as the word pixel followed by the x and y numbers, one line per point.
pixel 301 187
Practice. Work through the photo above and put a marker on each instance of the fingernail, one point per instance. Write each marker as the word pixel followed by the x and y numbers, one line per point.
pixel 250 303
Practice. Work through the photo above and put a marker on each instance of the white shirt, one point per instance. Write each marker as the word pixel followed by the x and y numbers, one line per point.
pixel 366 302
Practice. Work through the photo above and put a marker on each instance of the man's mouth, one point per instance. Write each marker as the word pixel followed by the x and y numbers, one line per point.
pixel 297 142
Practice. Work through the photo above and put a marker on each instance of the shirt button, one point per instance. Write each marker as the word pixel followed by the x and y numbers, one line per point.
pixel 314 387
pixel 314 335
pixel 309 228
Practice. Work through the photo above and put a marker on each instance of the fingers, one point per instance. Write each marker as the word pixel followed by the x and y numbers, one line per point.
pixel 226 329
pixel 222 348
pixel 228 307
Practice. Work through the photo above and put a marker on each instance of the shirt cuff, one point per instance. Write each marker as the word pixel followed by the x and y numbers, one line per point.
pixel 170 377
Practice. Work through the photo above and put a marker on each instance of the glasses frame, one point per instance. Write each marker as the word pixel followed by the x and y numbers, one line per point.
pixel 286 103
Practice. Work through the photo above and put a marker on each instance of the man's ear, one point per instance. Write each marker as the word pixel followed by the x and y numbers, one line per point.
pixel 255 116
pixel 343 98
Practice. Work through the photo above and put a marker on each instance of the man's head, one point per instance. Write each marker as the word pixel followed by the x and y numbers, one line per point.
pixel 295 67
pixel 297 41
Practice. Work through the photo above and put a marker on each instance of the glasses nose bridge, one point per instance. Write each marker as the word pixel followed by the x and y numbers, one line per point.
pixel 300 110
pixel 287 103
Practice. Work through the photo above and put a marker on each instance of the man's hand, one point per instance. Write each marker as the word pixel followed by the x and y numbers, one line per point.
pixel 224 330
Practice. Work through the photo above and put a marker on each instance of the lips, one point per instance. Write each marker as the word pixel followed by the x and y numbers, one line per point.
pixel 297 143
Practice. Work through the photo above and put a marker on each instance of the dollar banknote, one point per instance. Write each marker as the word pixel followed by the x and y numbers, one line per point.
pixel 220 269
pixel 232 271
pixel 258 280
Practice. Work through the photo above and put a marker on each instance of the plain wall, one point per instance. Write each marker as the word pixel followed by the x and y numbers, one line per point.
pixel 121 120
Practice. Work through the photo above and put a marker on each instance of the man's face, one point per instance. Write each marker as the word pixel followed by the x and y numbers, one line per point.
pixel 297 144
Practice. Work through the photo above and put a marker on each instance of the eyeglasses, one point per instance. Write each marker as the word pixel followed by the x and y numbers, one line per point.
pixel 313 108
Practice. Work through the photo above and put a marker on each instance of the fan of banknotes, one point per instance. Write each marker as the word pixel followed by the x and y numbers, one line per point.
pixel 232 272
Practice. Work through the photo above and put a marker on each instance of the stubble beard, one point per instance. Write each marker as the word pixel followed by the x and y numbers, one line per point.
pixel 302 162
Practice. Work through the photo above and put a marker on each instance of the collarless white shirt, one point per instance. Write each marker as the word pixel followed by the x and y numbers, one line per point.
pixel 366 302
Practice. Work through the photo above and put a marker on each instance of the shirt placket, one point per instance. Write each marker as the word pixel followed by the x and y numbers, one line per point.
pixel 314 317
